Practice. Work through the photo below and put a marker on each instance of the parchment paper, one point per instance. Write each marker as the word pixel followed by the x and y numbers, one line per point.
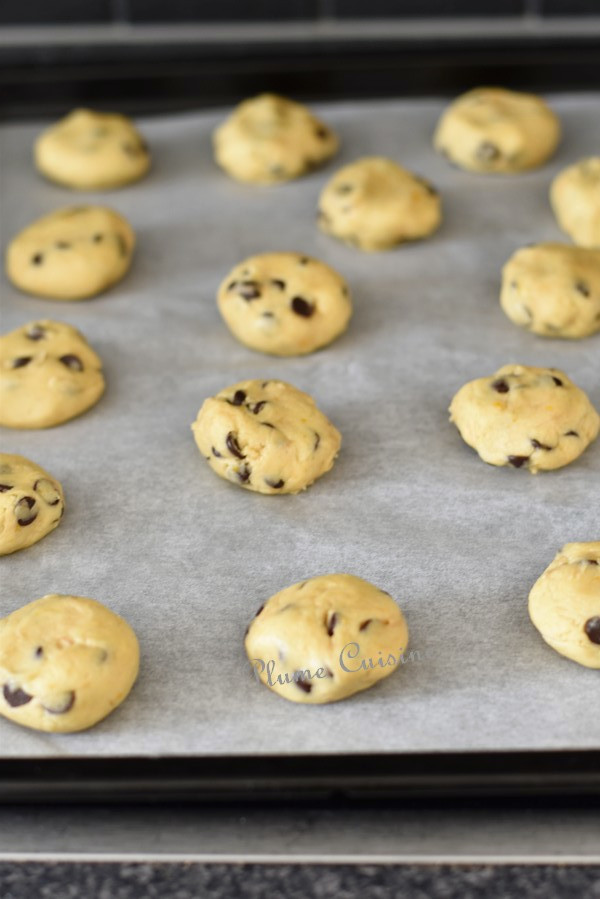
pixel 188 558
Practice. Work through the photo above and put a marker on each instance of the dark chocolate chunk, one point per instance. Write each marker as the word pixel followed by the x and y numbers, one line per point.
pixel 257 406
pixel 4 488
pixel 62 705
pixel 233 446
pixel 517 461
pixel 37 259
pixel 216 453
pixel 238 398
pixel 592 629
pixel 24 511
pixel 249 290
pixel 277 282
pixel 300 682
pixel 331 625
pixel 500 386
pixel 72 361
pixel 21 361
pixel 537 445
pixel 276 485
pixel 487 151
pixel 15 697
pixel 582 288
pixel 557 381
pixel 302 307
pixel 36 332
pixel 244 473
pixel 364 625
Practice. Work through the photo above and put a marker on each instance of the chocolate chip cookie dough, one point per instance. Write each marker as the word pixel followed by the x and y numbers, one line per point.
pixel 564 603
pixel 375 204
pixel 491 129
pixel 527 417
pixel 269 138
pixel 286 304
pixel 326 638
pixel 31 503
pixel 72 254
pixel 92 151
pixel 66 662
pixel 575 199
pixel 553 289
pixel 48 374
pixel 266 436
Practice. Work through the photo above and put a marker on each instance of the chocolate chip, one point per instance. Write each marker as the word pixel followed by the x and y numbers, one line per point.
pixel 71 361
pixel 216 453
pixel 277 282
pixel 276 485
pixel 249 290
pixel 62 704
pixel 36 332
pixel 582 288
pixel 231 285
pixel 24 511
pixel 21 361
pixel 238 398
pixel 331 625
pixel 300 682
pixel 537 445
pixel 47 491
pixel 39 652
pixel 98 238
pixel 592 629
pixel 302 307
pixel 328 672
pixel 122 245
pixel 487 151
pixel 4 488
pixel 37 259
pixel 257 613
pixel 317 442
pixel 244 472
pixel 62 245
pixel 16 697
pixel 517 461
pixel 557 381
pixel 571 434
pixel 257 406
pixel 268 315
pixel 365 624
pixel 344 188
pixel 233 446
pixel 304 260
pixel 500 386
pixel 322 132
pixel 592 562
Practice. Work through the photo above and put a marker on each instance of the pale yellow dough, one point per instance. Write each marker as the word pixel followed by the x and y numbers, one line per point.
pixel 527 417
pixel 66 662
pixel 326 638
pixel 575 199
pixel 269 138
pixel 73 253
pixel 284 303
pixel 48 374
pixel 91 150
pixel 491 129
pixel 375 204
pixel 564 603
pixel 266 436
pixel 553 289
pixel 31 503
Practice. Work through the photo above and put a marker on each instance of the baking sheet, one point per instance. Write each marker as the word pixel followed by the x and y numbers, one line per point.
pixel 187 558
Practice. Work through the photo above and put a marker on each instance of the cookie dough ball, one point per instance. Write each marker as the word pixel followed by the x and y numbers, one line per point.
pixel 284 303
pixel 269 138
pixel 48 374
pixel 564 603
pixel 527 417
pixel 266 436
pixel 495 130
pixel 31 503
pixel 66 662
pixel 375 204
pixel 553 289
pixel 92 151
pixel 71 254
pixel 575 199
pixel 326 638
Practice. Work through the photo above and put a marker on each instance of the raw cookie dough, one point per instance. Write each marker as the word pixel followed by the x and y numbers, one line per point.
pixel 92 151
pixel 564 603
pixel 491 129
pixel 527 417
pixel 375 204
pixel 326 638
pixel 269 138
pixel 73 253
pixel 31 503
pixel 48 374
pixel 266 436
pixel 575 199
pixel 553 289
pixel 284 303
pixel 66 662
